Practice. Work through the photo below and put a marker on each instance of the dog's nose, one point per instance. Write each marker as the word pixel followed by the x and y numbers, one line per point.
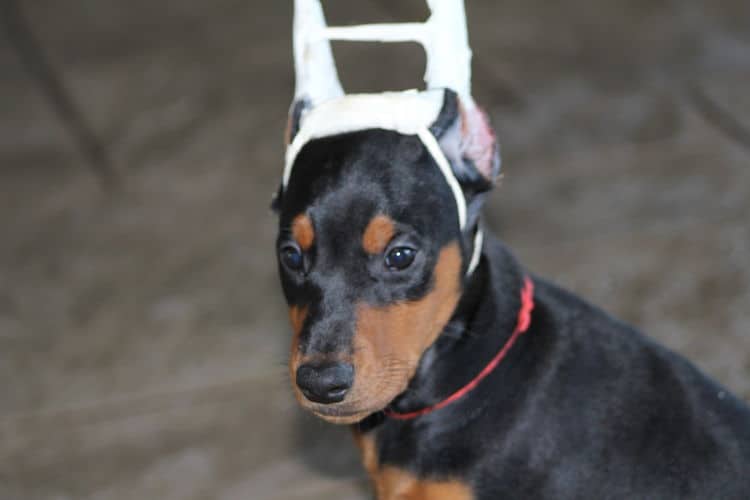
pixel 326 383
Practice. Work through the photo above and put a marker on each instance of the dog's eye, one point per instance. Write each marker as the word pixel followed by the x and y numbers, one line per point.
pixel 400 258
pixel 292 257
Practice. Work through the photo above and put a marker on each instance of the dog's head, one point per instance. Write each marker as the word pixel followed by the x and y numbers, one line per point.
pixel 372 257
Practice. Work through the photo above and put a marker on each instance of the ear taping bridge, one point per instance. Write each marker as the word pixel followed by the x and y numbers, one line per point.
pixel 443 36
pixel 327 110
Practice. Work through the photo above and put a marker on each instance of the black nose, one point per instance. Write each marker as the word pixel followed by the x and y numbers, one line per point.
pixel 326 383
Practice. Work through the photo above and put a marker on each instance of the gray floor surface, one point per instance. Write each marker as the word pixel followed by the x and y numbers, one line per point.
pixel 143 336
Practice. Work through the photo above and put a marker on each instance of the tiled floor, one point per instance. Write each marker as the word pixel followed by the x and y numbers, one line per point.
pixel 143 334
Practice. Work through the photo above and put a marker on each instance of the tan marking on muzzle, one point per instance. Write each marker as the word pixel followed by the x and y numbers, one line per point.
pixel 303 232
pixel 390 340
pixel 297 316
pixel 378 234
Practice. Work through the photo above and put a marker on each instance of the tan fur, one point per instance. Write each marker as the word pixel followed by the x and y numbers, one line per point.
pixel 378 234
pixel 392 483
pixel 388 343
pixel 297 316
pixel 390 340
pixel 303 232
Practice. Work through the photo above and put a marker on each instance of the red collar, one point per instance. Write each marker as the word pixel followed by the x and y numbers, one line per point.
pixel 522 324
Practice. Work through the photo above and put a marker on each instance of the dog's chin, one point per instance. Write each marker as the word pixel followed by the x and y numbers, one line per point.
pixel 342 414
pixel 357 405
pixel 342 419
pixel 345 412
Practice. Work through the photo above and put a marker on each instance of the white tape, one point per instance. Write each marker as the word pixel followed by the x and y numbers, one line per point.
pixel 476 254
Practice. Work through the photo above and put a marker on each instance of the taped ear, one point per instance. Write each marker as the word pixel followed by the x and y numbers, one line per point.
pixel 298 107
pixel 468 141
pixel 296 110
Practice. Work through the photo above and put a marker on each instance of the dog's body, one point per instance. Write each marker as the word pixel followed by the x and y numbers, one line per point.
pixel 374 266
pixel 583 406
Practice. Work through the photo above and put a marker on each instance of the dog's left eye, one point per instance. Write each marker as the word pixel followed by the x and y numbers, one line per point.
pixel 292 258
pixel 400 258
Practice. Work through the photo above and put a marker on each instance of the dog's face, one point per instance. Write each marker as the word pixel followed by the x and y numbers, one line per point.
pixel 371 260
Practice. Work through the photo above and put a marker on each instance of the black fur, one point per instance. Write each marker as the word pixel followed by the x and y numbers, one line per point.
pixel 583 406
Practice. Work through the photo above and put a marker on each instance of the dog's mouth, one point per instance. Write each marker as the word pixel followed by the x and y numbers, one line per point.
pixel 372 379
pixel 340 413
pixel 358 404
pixel 349 411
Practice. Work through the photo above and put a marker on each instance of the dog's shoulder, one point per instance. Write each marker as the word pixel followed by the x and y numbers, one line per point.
pixel 598 343
pixel 613 405
pixel 608 386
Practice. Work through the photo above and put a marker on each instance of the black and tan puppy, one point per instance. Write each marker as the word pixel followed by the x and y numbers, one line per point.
pixel 452 391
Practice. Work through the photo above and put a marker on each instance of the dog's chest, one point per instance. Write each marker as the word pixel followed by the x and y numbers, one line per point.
pixel 397 483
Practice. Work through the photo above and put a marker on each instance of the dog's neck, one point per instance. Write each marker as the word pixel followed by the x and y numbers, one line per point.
pixel 483 322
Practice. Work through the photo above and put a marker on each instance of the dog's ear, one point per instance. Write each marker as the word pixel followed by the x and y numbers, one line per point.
pixel 276 201
pixel 296 110
pixel 468 141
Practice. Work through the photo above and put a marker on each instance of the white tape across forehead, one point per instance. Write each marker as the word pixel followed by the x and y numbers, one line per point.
pixel 408 113
pixel 404 112
pixel 433 147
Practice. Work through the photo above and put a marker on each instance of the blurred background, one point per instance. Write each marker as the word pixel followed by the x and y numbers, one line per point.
pixel 143 335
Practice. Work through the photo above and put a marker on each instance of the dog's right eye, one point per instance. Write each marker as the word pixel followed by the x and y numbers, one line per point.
pixel 292 258
pixel 400 258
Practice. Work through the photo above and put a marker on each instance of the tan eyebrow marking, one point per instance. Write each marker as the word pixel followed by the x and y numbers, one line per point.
pixel 303 232
pixel 379 232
